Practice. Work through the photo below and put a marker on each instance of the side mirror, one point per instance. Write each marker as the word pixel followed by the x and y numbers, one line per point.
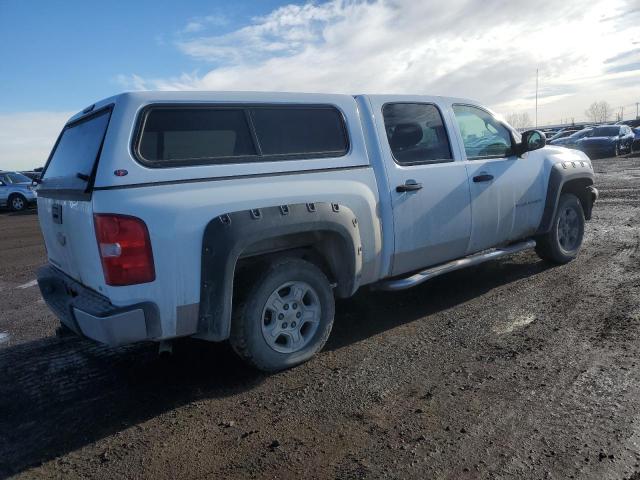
pixel 532 140
pixel 2 184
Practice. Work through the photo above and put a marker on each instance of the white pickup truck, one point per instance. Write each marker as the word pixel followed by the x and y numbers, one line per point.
pixel 241 216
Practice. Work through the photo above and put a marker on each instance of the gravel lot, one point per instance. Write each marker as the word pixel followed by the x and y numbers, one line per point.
pixel 514 369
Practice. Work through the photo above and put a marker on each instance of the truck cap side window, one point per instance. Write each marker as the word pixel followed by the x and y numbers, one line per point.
pixel 482 134
pixel 201 134
pixel 300 130
pixel 195 133
pixel 416 133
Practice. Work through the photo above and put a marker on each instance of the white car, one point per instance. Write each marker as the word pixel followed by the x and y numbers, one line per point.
pixel 241 216
pixel 16 191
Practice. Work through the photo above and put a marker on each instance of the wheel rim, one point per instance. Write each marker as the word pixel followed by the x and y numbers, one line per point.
pixel 568 229
pixel 17 203
pixel 291 317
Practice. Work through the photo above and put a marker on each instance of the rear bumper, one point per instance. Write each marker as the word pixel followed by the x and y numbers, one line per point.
pixel 91 315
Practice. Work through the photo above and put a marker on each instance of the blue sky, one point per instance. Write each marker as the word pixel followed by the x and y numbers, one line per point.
pixel 59 56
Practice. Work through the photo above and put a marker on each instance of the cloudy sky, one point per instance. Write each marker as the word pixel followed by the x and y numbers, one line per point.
pixel 58 57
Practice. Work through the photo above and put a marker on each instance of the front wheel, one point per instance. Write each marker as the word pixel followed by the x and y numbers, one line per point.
pixel 17 203
pixel 563 241
pixel 284 317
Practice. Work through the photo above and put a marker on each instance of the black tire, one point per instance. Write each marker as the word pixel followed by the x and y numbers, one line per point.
pixel 63 331
pixel 17 202
pixel 251 315
pixel 558 245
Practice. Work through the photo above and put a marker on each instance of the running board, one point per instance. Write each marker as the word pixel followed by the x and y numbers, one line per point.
pixel 478 258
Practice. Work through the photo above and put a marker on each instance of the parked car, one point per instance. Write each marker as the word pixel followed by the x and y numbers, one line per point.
pixel 630 123
pixel 241 216
pixel 16 191
pixel 31 174
pixel 570 140
pixel 607 141
pixel 635 147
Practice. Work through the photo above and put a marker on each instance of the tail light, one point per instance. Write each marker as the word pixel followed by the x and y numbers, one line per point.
pixel 125 249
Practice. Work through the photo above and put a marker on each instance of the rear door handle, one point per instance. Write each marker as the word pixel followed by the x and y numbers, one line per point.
pixel 409 186
pixel 482 178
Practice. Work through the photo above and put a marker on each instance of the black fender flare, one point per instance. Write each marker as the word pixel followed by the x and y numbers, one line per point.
pixel 577 176
pixel 227 236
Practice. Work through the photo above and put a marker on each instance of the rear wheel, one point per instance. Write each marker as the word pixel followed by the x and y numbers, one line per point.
pixel 284 317
pixel 563 241
pixel 17 202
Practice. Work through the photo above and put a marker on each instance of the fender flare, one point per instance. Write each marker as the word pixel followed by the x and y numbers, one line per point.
pixel 563 174
pixel 227 236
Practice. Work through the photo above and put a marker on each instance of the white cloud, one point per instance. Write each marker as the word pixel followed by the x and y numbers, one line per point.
pixel 131 82
pixel 26 138
pixel 488 51
pixel 197 24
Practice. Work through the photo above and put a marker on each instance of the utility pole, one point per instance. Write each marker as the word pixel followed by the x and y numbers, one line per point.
pixel 622 113
pixel 637 116
pixel 536 98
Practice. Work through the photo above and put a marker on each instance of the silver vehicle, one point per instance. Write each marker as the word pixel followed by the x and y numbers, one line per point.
pixel 241 216
pixel 16 191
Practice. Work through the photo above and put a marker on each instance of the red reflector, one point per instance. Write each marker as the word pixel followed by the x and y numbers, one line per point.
pixel 125 249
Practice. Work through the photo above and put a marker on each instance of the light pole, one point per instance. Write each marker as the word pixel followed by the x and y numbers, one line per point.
pixel 536 98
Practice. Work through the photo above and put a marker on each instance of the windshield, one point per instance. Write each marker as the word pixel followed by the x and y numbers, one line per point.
pixel 562 134
pixel 605 132
pixel 71 163
pixel 17 178
pixel 581 133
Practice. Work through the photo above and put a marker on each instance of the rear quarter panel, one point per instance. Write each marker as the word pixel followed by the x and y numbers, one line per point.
pixel 177 203
pixel 177 214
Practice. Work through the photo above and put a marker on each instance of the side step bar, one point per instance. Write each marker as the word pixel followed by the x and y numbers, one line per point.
pixel 470 261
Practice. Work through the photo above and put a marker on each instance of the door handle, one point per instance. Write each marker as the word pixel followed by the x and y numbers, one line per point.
pixel 409 186
pixel 482 178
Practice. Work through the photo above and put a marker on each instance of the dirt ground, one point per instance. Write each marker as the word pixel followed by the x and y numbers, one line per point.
pixel 513 369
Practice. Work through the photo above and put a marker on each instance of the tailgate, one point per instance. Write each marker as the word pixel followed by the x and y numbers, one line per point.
pixel 65 209
pixel 67 228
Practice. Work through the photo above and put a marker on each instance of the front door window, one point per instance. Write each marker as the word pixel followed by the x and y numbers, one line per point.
pixel 483 136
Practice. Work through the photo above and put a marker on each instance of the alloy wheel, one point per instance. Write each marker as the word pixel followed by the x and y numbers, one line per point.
pixel 568 229
pixel 291 317
pixel 17 203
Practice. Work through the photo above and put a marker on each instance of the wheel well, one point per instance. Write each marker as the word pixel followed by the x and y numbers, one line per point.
pixel 578 187
pixel 324 233
pixel 325 249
